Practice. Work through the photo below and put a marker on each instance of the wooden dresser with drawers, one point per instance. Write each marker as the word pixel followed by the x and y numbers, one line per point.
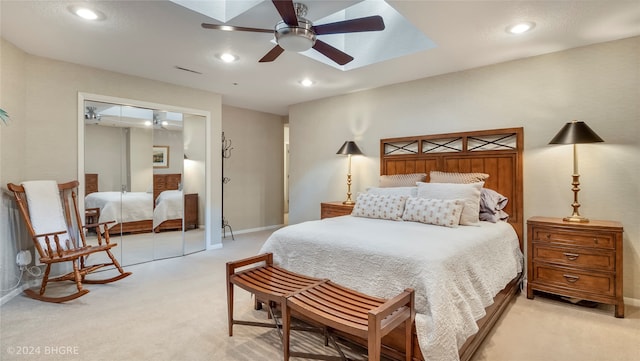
pixel 577 260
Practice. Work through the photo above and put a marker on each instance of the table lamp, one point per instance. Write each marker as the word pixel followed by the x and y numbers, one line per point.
pixel 349 148
pixel 575 132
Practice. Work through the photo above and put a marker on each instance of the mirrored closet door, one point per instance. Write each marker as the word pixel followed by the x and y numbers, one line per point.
pixel 145 171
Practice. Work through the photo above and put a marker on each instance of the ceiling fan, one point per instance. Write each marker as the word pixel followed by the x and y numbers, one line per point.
pixel 295 33
pixel 92 114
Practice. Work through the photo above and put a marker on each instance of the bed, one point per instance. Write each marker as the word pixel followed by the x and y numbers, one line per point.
pixel 167 214
pixel 464 276
pixel 138 212
pixel 168 202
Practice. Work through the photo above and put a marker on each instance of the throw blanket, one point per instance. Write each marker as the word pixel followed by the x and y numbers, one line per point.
pixel 455 272
pixel 46 213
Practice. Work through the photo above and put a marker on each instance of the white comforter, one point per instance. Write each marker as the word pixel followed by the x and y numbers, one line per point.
pixel 455 272
pixel 121 207
pixel 169 205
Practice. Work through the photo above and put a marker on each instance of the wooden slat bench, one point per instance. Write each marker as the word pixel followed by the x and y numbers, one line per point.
pixel 323 302
pixel 268 283
pixel 354 313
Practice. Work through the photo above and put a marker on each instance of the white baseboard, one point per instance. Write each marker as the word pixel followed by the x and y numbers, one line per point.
pixel 18 290
pixel 632 301
pixel 251 230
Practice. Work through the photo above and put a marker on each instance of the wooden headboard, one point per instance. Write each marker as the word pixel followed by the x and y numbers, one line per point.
pixel 165 182
pixel 90 183
pixel 497 152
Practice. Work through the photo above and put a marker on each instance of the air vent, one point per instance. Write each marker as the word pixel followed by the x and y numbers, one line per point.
pixel 189 70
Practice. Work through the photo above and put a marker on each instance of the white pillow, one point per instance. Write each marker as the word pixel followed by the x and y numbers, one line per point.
pixel 469 193
pixel 440 212
pixel 394 191
pixel 379 206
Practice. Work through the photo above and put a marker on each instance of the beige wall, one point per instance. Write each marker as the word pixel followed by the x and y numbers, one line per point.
pixel 41 96
pixel 253 199
pixel 598 84
pixel 12 145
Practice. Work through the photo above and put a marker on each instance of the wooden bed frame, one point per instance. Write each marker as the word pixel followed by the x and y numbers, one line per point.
pixel 161 182
pixel 496 152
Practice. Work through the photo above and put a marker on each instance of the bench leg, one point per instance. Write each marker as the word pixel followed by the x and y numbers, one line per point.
pixel 230 306
pixel 374 338
pixel 286 329
pixel 408 324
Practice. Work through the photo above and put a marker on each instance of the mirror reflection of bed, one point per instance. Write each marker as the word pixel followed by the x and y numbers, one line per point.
pixel 159 212
pixel 157 206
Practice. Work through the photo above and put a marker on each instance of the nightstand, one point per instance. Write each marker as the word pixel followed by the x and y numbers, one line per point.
pixel 190 211
pixel 334 209
pixel 580 260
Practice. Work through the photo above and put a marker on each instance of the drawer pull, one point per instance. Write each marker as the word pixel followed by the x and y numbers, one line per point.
pixel 571 279
pixel 595 240
pixel 571 256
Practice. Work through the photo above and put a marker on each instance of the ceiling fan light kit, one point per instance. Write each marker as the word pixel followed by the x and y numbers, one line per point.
pixel 299 38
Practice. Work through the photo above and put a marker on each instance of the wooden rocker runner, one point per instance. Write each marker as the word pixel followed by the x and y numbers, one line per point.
pixel 46 209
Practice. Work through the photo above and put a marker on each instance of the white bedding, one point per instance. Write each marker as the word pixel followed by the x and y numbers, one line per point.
pixel 121 207
pixel 169 205
pixel 455 272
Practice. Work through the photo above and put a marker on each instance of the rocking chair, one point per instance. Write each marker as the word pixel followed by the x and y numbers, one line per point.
pixel 46 208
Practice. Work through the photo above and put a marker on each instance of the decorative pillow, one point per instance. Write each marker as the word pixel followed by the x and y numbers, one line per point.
pixel 492 204
pixel 469 193
pixel 401 180
pixel 451 177
pixel 492 201
pixel 379 206
pixel 494 217
pixel 394 191
pixel 440 212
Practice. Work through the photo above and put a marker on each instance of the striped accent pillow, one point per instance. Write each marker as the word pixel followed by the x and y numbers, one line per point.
pixel 402 180
pixel 453 177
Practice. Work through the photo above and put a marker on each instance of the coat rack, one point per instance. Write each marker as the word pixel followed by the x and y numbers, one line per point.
pixel 226 153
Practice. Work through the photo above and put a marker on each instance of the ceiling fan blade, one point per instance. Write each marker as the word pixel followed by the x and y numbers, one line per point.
pixel 235 28
pixel 370 23
pixel 272 54
pixel 332 53
pixel 287 11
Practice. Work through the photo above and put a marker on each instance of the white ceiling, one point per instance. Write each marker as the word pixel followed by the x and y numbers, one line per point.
pixel 150 38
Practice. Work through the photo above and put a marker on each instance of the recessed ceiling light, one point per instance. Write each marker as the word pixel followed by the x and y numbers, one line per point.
pixel 306 82
pixel 227 57
pixel 86 13
pixel 521 27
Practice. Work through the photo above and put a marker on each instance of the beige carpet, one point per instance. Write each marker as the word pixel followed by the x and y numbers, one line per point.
pixel 175 309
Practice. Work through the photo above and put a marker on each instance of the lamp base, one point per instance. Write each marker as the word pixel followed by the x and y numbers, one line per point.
pixel 349 202
pixel 574 218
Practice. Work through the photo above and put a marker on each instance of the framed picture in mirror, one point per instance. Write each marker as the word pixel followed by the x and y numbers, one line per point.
pixel 161 156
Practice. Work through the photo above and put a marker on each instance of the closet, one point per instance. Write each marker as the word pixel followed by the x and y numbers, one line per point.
pixel 144 168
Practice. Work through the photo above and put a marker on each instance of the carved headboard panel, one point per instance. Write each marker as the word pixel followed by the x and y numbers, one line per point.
pixel 497 152
pixel 164 182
